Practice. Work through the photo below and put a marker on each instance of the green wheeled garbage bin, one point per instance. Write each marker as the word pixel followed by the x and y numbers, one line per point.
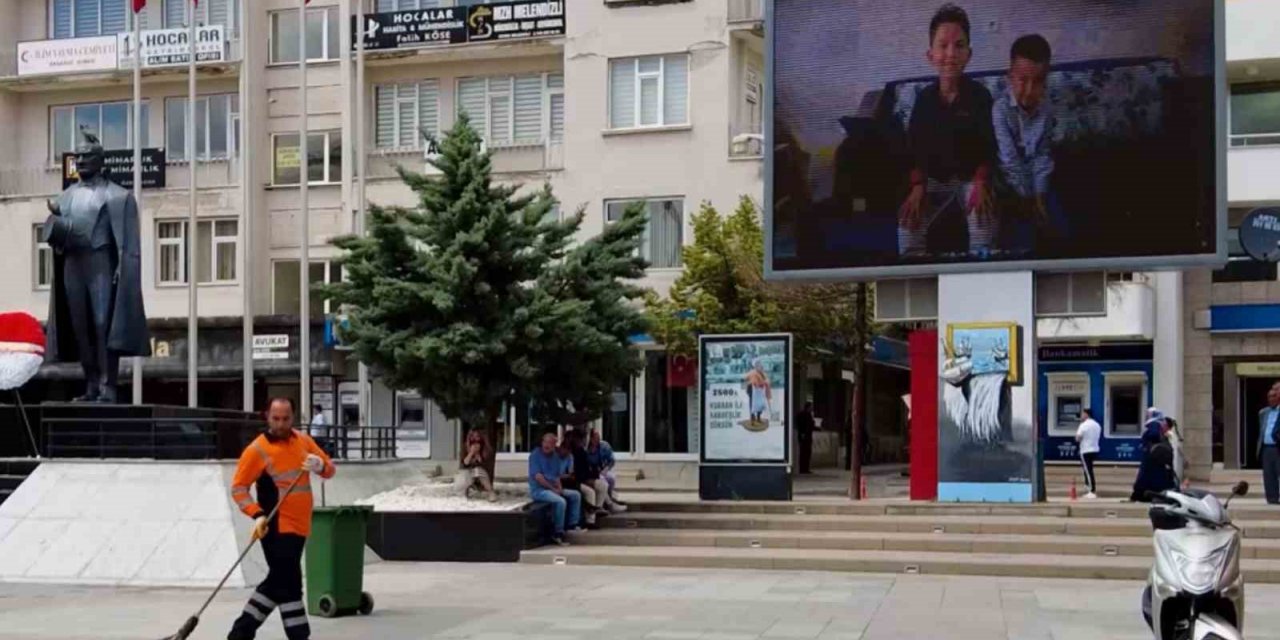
pixel 335 562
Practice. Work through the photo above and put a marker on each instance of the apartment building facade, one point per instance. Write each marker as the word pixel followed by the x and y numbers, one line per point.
pixel 1232 315
pixel 651 101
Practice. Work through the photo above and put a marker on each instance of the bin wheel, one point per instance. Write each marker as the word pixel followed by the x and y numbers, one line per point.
pixel 366 604
pixel 327 608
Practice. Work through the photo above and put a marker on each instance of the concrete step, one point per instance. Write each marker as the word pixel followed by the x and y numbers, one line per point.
pixel 882 541
pixel 1242 509
pixel 871 561
pixel 984 524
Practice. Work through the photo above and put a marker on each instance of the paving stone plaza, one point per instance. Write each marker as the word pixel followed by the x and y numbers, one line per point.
pixel 524 602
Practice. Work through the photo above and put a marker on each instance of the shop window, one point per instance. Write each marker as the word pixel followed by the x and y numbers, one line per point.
pixel 1126 404
pixel 286 284
pixel 615 424
pixel 667 423
pixel 1068 398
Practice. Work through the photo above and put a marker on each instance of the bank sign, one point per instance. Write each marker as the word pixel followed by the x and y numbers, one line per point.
pixel 461 25
pixel 170 47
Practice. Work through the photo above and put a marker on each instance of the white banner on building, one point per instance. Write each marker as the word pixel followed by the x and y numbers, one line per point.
pixel 169 47
pixel 73 55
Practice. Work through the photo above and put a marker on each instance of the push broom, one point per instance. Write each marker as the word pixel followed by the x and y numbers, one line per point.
pixel 190 624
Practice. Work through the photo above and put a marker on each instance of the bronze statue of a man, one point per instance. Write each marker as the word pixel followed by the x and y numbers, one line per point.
pixel 96 314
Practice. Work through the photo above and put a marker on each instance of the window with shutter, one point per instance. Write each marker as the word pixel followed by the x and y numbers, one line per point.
pixel 473 100
pixel 216 11
pixel 428 111
pixel 557 117
pixel 649 92
pixel 499 109
pixel 664 235
pixel 406 115
pixel 675 90
pixel 86 18
pixel 175 13
pixel 385 123
pixel 622 94
pixel 115 17
pixel 60 19
pixel 528 109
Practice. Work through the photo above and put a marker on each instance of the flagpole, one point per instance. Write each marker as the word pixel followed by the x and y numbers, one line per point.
pixel 192 235
pixel 362 370
pixel 246 218
pixel 137 157
pixel 304 242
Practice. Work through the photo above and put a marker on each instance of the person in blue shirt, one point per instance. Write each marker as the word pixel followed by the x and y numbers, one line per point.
pixel 1023 122
pixel 546 467
pixel 1268 439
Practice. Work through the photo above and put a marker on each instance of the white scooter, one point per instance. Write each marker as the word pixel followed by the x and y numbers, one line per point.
pixel 1195 590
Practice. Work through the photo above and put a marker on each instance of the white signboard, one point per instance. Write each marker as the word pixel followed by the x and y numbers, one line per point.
pixel 746 410
pixel 169 47
pixel 276 341
pixel 270 355
pixel 73 55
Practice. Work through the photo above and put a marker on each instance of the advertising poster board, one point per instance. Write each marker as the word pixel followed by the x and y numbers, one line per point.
pixel 746 399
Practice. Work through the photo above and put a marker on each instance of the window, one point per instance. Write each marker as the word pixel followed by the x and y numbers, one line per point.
pixel 664 237
pixel 1255 114
pixel 904 300
pixel 111 121
pixel 216 120
pixel 42 269
pixel 208 12
pixel 1068 397
pixel 385 6
pixel 649 92
pixel 324 162
pixel 525 109
pixel 667 427
pixel 1126 404
pixel 615 424
pixel 1071 294
pixel 286 282
pixel 404 112
pixel 322 35
pixel 218 253
pixel 85 18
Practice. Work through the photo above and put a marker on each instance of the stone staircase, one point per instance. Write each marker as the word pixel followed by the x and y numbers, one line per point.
pixel 12 472
pixel 1084 539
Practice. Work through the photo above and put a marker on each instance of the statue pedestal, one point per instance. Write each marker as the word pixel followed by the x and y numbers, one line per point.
pixel 115 431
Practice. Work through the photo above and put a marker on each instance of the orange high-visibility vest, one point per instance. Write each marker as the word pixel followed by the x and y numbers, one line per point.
pixel 272 465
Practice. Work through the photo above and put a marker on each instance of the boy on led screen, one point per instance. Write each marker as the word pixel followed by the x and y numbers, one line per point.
pixel 952 145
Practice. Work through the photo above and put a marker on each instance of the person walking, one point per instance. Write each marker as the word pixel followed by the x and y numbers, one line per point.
pixel 805 426
pixel 1089 435
pixel 272 463
pixel 1268 439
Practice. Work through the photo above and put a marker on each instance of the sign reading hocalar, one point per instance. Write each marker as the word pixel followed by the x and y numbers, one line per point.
pixel 745 406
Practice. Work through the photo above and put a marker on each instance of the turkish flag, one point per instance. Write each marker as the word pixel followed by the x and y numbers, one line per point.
pixel 682 371
pixel 138 5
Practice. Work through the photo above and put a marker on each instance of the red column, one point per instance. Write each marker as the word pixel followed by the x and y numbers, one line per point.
pixel 923 350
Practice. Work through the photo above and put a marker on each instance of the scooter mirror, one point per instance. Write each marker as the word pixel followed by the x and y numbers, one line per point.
pixel 1241 489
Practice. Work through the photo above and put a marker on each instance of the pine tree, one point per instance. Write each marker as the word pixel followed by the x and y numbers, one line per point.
pixel 475 298
pixel 587 356
pixel 440 297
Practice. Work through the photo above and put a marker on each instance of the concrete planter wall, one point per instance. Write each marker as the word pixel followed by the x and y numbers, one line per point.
pixel 459 536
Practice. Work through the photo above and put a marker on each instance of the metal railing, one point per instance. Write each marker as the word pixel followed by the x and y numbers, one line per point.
pixel 194 438
pixel 176 438
pixel 357 442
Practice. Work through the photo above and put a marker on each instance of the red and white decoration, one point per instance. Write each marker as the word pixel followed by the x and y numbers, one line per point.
pixel 21 349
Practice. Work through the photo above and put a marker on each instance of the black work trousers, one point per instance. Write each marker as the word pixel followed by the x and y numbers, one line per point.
pixel 282 589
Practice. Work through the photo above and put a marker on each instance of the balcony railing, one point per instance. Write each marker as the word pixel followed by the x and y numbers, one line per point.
pixel 1255 140
pixel 519 157
pixel 746 11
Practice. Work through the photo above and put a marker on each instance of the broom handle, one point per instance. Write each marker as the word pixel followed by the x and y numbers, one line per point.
pixel 247 548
